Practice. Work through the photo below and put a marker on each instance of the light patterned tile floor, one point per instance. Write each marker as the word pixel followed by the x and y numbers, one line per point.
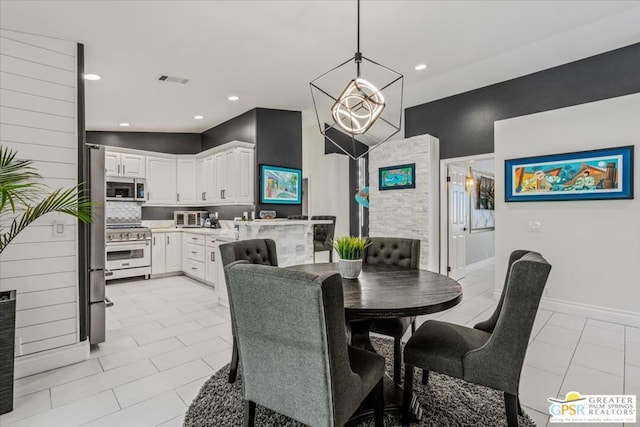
pixel 167 336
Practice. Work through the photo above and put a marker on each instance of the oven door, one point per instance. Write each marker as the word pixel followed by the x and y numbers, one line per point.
pixel 128 255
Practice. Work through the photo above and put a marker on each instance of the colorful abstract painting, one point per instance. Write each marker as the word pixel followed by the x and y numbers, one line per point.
pixel 482 216
pixel 585 175
pixel 280 185
pixel 397 177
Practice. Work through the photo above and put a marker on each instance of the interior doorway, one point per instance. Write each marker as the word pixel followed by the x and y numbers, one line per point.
pixel 467 227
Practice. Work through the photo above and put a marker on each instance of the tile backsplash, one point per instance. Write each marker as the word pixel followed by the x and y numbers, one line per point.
pixel 123 212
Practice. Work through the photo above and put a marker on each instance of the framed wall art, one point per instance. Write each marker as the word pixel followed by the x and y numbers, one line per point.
pixel 585 175
pixel 397 177
pixel 280 185
pixel 482 214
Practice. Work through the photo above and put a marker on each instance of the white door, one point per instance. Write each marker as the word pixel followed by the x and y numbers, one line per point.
pixel 133 165
pixel 186 181
pixel 158 251
pixel 220 178
pixel 458 202
pixel 173 255
pixel 161 180
pixel 112 163
pixel 244 174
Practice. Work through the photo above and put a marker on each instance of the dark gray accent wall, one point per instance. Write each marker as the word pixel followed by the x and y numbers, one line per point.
pixel 278 143
pixel 464 122
pixel 240 128
pixel 166 213
pixel 161 142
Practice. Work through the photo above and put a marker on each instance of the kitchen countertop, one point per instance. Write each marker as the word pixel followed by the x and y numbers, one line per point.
pixel 281 222
pixel 218 233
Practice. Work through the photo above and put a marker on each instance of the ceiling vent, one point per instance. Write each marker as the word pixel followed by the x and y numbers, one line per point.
pixel 171 79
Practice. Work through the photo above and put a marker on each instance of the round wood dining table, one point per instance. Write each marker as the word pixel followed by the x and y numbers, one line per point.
pixel 383 292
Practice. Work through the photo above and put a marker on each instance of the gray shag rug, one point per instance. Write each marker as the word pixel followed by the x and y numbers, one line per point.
pixel 445 401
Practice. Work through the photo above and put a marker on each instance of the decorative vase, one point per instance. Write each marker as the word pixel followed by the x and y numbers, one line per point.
pixel 7 344
pixel 350 268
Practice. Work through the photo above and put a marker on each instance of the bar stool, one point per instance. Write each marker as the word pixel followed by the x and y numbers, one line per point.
pixel 323 235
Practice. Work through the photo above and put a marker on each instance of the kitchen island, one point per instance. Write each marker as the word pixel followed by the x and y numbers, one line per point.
pixel 294 238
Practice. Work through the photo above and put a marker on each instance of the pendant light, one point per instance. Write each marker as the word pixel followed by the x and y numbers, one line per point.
pixel 365 112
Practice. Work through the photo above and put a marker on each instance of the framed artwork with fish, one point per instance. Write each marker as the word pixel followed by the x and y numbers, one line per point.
pixel 397 177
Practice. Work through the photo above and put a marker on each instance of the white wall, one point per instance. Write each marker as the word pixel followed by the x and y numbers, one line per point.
pixel 594 246
pixel 408 213
pixel 480 246
pixel 329 191
pixel 38 110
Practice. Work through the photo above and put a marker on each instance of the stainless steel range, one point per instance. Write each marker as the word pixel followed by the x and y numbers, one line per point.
pixel 128 251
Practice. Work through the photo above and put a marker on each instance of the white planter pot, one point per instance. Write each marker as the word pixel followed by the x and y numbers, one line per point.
pixel 350 268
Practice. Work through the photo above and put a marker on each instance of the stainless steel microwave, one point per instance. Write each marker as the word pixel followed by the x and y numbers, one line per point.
pixel 126 190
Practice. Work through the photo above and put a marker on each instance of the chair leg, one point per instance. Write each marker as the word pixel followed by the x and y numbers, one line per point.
pixel 413 327
pixel 397 359
pixel 249 413
pixel 511 407
pixel 425 376
pixel 519 407
pixel 331 255
pixel 378 402
pixel 408 395
pixel 233 369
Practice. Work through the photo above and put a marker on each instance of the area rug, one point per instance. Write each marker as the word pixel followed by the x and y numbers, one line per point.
pixel 445 401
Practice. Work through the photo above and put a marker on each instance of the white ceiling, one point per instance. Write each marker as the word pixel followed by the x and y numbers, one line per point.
pixel 266 52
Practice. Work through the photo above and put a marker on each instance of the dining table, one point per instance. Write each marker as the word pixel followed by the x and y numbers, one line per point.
pixel 386 291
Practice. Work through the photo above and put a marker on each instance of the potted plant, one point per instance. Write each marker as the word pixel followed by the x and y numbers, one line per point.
pixel 22 201
pixel 350 249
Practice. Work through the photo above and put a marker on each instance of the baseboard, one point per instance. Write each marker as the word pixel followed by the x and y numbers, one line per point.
pixel 622 317
pixel 480 264
pixel 51 359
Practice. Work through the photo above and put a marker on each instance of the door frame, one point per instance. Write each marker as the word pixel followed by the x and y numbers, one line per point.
pixel 444 204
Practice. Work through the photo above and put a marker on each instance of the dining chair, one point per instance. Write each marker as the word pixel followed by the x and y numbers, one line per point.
pixel 322 235
pixel 402 253
pixel 492 352
pixel 292 340
pixel 254 251
pixel 302 217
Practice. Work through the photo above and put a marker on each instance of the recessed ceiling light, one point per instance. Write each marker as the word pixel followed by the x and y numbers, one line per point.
pixel 124 124
pixel 420 67
pixel 89 76
pixel 198 117
pixel 233 98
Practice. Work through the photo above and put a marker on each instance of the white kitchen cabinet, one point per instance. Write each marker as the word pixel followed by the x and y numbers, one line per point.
pixel 166 253
pixel 244 175
pixel 158 253
pixel 161 180
pixel 220 177
pixel 124 164
pixel 193 255
pixel 211 266
pixel 186 181
pixel 205 172
pixel 234 176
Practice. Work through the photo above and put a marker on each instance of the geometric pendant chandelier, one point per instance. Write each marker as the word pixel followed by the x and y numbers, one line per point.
pixel 358 108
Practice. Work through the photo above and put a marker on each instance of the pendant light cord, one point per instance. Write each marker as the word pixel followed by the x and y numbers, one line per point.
pixel 358 56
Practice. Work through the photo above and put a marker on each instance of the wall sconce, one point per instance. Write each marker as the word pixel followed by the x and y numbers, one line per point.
pixel 469 182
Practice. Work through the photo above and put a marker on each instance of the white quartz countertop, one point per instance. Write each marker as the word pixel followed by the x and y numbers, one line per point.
pixel 219 233
pixel 280 222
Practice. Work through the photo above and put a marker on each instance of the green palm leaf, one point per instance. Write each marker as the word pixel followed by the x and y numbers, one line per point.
pixel 20 192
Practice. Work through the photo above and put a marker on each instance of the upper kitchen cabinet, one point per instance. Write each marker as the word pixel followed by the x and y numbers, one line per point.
pixel 186 175
pixel 124 164
pixel 161 180
pixel 205 178
pixel 234 175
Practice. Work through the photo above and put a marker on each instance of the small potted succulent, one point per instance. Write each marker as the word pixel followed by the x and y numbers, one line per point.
pixel 350 250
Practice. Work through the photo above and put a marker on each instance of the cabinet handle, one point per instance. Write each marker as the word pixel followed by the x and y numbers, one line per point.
pixel 194 252
pixel 204 197
pixel 122 169
pixel 193 268
pixel 168 241
pixel 194 238
pixel 213 256
pixel 154 240
pixel 118 169
pixel 148 195
pixel 178 196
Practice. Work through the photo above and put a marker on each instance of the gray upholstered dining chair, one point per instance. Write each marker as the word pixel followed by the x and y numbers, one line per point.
pixel 323 234
pixel 398 252
pixel 302 217
pixel 254 251
pixel 492 352
pixel 292 341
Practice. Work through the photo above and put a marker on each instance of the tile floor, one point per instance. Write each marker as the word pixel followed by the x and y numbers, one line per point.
pixel 167 336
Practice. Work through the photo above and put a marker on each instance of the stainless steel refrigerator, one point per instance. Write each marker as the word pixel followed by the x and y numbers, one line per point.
pixel 94 241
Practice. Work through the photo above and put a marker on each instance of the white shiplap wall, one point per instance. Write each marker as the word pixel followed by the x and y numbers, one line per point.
pixel 38 119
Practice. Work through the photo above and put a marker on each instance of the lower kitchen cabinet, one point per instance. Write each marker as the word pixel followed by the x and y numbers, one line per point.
pixel 211 262
pixel 193 255
pixel 166 249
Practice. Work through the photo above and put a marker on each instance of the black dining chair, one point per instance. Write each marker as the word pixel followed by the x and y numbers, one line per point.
pixel 492 352
pixel 291 336
pixel 254 251
pixel 399 252
pixel 302 217
pixel 323 235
